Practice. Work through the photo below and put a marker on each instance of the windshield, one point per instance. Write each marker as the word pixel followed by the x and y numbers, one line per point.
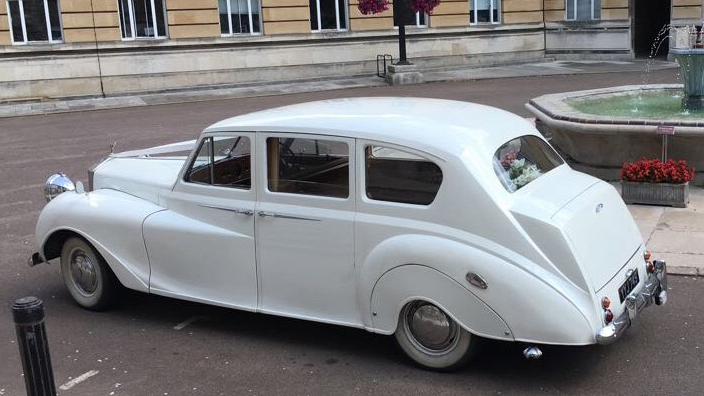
pixel 524 159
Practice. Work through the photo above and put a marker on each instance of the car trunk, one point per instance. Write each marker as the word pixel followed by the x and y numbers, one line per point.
pixel 601 231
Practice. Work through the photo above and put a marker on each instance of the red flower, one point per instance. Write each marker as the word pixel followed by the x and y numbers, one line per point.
pixel 367 7
pixel 656 171
pixel 424 6
pixel 508 158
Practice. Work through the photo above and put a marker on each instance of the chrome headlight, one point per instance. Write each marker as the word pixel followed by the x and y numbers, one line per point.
pixel 56 184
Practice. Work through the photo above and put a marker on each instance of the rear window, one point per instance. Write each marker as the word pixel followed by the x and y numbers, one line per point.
pixel 524 159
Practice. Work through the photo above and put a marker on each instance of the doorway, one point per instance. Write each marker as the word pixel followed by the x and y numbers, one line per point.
pixel 649 18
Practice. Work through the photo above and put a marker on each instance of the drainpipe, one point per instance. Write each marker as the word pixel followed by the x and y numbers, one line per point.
pixel 545 34
pixel 97 50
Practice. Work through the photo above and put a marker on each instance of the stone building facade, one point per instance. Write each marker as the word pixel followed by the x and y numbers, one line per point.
pixel 73 48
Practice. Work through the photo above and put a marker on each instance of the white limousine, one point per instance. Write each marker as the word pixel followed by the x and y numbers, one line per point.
pixel 439 222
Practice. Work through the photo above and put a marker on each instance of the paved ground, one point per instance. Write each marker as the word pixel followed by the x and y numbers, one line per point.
pixel 543 68
pixel 136 350
pixel 676 235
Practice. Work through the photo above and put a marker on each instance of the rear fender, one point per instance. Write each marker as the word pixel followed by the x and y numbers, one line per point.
pixel 109 220
pixel 535 304
pixel 392 292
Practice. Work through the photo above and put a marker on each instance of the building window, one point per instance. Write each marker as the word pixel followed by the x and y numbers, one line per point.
pixel 485 11
pixel 142 19
pixel 239 16
pixel 416 19
pixel 34 21
pixel 328 15
pixel 583 10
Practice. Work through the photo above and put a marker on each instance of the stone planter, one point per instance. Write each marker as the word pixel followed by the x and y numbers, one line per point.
pixel 664 194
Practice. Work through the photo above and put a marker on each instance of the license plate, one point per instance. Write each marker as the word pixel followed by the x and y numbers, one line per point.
pixel 628 286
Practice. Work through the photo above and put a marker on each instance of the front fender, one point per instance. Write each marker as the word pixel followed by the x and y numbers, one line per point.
pixel 536 305
pixel 111 221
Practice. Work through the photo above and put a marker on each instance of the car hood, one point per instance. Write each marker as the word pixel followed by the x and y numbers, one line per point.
pixel 141 177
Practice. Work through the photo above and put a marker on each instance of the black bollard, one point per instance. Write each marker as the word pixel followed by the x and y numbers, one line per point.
pixel 28 314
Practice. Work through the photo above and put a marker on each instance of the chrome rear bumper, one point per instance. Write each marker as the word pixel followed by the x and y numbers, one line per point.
pixel 653 291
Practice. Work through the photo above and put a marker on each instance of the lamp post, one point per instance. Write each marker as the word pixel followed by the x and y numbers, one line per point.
pixel 402 13
pixel 403 71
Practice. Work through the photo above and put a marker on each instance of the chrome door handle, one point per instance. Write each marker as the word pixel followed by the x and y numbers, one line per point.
pixel 262 213
pixel 245 212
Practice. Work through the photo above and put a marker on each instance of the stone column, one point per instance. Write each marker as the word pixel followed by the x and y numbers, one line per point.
pixel 4 25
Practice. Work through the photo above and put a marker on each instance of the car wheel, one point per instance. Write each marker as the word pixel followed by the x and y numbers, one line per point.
pixel 90 281
pixel 432 338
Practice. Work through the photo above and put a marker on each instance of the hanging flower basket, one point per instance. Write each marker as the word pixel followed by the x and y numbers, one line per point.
pixel 653 182
pixel 367 7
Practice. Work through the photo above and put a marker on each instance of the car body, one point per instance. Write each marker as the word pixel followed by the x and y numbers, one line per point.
pixel 350 211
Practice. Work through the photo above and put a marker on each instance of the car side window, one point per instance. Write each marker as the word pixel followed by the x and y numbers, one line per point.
pixel 223 161
pixel 396 176
pixel 308 166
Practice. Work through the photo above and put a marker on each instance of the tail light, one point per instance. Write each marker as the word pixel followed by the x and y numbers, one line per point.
pixel 608 316
pixel 647 255
pixel 605 302
pixel 650 267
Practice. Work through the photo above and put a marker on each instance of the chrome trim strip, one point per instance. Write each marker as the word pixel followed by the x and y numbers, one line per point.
pixel 245 212
pixel 262 213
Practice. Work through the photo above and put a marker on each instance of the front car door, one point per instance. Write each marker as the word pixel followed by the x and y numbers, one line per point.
pixel 202 247
pixel 305 227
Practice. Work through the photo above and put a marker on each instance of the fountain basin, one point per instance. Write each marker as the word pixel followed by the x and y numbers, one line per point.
pixel 597 136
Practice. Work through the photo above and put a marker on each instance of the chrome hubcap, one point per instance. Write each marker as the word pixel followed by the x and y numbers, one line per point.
pixel 82 271
pixel 430 328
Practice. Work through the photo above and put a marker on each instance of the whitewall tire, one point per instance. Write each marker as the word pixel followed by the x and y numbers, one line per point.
pixel 88 278
pixel 432 338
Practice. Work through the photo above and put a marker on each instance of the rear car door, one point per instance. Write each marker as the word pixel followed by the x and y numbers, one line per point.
pixel 305 227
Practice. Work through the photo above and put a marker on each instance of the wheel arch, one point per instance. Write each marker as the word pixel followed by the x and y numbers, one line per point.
pixel 522 295
pixel 412 282
pixel 56 239
pixel 110 221
pixel 53 244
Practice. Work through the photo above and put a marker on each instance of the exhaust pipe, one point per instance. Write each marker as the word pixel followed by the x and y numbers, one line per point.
pixel 532 353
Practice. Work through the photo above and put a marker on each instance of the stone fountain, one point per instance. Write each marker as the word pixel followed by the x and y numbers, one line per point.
pixel 691 62
pixel 598 130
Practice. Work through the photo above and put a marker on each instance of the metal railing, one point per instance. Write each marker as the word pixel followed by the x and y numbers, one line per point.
pixel 381 63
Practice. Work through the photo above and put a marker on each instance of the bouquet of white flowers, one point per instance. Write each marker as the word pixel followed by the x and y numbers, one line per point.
pixel 522 173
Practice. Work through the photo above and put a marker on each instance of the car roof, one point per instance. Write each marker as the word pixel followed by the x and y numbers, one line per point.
pixel 431 125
